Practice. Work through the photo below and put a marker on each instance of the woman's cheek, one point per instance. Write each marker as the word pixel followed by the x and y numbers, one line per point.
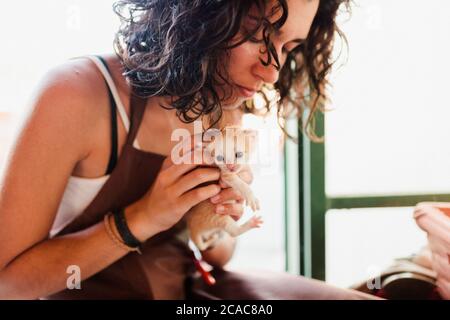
pixel 244 56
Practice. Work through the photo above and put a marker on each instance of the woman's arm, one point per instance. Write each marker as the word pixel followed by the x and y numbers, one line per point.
pixel 43 269
pixel 53 139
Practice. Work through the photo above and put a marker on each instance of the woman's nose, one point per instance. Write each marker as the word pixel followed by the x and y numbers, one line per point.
pixel 269 74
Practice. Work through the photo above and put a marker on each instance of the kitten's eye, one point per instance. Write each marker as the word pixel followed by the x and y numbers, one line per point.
pixel 239 154
pixel 219 158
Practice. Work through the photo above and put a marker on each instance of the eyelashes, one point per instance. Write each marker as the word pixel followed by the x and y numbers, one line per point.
pixel 294 50
pixel 284 50
pixel 253 39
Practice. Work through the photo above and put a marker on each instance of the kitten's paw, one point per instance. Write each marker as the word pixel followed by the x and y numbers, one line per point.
pixel 256 222
pixel 257 203
pixel 252 202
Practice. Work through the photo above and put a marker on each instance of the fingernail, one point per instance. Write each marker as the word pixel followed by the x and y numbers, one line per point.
pixel 215 199
pixel 220 209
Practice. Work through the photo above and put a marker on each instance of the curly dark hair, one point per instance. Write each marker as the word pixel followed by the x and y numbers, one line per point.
pixel 177 48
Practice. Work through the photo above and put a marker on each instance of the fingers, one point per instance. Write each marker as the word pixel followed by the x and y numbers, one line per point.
pixel 223 184
pixel 225 195
pixel 193 197
pixel 176 166
pixel 245 174
pixel 235 210
pixel 183 165
pixel 437 205
pixel 195 178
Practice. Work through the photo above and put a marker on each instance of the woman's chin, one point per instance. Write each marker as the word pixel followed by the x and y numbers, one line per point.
pixel 233 105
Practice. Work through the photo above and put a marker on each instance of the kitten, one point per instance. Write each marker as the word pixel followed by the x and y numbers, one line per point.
pixel 230 150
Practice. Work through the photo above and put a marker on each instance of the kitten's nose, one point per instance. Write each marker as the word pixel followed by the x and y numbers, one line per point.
pixel 231 166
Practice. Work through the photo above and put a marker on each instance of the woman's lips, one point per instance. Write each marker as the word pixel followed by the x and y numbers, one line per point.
pixel 246 92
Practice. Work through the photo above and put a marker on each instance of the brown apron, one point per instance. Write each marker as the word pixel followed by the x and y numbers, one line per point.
pixel 160 272
pixel 165 270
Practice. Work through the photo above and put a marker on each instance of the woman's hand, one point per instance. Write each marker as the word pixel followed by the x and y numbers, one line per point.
pixel 235 210
pixel 221 253
pixel 173 193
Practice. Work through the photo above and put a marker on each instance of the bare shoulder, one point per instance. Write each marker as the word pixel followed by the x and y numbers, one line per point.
pixel 74 85
pixel 66 101
pixel 55 136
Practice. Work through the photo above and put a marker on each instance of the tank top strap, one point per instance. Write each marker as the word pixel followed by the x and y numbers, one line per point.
pixel 103 67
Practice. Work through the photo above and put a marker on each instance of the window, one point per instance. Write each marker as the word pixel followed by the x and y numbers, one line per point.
pixel 386 142
pixel 389 130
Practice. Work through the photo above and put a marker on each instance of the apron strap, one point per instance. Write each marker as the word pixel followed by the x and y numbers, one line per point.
pixel 137 108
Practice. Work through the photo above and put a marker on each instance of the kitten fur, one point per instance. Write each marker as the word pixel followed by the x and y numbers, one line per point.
pixel 230 150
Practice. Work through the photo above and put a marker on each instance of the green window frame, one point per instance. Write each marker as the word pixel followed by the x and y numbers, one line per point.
pixel 306 203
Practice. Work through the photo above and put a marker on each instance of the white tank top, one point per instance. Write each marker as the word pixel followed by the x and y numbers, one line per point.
pixel 79 191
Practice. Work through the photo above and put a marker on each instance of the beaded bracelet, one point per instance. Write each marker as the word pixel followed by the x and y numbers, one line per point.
pixel 114 238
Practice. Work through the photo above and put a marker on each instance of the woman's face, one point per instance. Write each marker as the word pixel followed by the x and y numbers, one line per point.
pixel 246 72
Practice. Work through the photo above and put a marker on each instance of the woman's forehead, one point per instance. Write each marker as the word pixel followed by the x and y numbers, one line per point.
pixel 299 20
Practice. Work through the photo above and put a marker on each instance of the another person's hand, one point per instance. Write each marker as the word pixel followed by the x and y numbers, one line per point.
pixel 235 210
pixel 430 205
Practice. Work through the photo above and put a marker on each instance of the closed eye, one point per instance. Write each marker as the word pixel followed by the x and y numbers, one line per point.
pixel 256 40
pixel 287 51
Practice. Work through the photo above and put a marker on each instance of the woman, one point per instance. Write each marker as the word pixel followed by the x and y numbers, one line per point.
pixel 89 181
